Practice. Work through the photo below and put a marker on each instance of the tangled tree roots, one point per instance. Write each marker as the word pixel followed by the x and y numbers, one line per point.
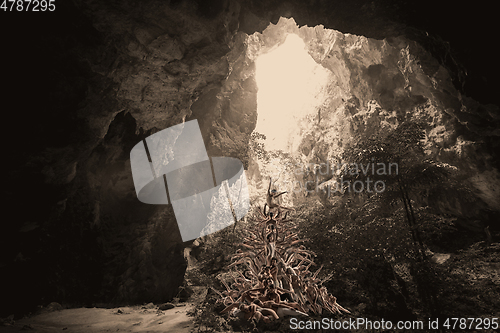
pixel 271 277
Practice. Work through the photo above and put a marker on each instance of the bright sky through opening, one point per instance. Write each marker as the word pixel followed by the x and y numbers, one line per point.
pixel 289 85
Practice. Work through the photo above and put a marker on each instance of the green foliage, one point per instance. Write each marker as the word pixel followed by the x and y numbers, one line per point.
pixel 417 176
pixel 365 239
pixel 403 147
pixel 358 249
pixel 375 271
pixel 470 282
pixel 371 234
pixel 370 264
pixel 436 229
pixel 213 254
pixel 257 146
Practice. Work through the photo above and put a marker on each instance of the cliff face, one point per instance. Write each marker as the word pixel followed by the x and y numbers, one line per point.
pixel 375 85
pixel 135 68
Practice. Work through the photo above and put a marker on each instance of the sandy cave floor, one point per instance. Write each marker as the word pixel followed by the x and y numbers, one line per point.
pixel 138 318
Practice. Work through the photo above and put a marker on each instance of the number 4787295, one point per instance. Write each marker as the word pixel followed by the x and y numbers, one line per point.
pixel 28 5
pixel 471 323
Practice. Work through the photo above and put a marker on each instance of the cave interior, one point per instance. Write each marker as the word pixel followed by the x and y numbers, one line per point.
pixel 90 80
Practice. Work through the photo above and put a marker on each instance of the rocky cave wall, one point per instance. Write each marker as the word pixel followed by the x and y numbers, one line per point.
pixel 378 84
pixel 125 70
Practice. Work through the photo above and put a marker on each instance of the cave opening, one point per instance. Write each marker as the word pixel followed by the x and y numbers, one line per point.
pixel 290 87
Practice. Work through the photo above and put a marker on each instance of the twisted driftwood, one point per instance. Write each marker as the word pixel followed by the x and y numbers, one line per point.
pixel 273 278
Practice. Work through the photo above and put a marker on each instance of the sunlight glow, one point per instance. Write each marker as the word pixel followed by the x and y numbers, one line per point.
pixel 290 86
